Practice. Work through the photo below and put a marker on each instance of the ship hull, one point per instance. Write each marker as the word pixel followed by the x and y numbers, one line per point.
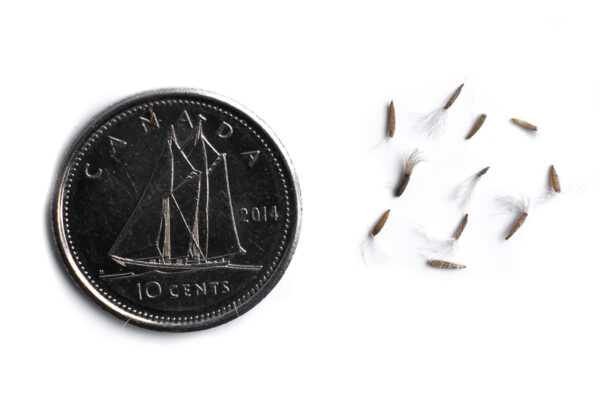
pixel 144 266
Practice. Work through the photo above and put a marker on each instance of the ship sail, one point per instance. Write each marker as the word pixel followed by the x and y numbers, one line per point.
pixel 220 212
pixel 178 222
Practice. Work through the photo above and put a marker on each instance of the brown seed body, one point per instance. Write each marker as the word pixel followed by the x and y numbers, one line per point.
pixel 391 120
pixel 476 126
pixel 453 98
pixel 524 124
pixel 482 172
pixel 446 264
pixel 554 179
pixel 402 186
pixel 380 223
pixel 516 225
pixel 461 227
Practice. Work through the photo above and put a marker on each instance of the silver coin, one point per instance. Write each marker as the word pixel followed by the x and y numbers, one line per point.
pixel 176 210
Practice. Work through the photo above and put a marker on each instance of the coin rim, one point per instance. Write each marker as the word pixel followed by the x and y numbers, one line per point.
pixel 69 262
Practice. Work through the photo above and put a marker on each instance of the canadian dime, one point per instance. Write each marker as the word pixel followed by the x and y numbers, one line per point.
pixel 176 210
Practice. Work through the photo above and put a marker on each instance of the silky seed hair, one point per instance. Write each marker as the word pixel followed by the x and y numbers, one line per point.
pixel 391 120
pixel 438 246
pixel 445 264
pixel 514 204
pixel 463 192
pixel 554 179
pixel 435 122
pixel 453 98
pixel 461 227
pixel 380 223
pixel 415 157
pixel 524 124
pixel 476 126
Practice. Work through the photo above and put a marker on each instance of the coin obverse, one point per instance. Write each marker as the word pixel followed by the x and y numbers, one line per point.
pixel 176 210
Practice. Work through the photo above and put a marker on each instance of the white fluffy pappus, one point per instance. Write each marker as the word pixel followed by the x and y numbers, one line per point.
pixel 414 157
pixel 463 192
pixel 435 246
pixel 514 204
pixel 373 252
pixel 434 123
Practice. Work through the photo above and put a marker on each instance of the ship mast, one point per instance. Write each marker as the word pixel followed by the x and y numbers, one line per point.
pixel 166 253
pixel 195 243
pixel 206 194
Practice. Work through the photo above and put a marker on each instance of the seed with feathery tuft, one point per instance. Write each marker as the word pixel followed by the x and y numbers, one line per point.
pixel 414 158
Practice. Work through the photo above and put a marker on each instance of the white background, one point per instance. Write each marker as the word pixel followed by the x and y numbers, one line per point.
pixel 520 322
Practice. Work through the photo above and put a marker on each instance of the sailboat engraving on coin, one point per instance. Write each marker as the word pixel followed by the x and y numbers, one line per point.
pixel 176 210
pixel 185 172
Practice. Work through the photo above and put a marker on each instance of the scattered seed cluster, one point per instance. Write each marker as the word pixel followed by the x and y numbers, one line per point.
pixel 433 123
